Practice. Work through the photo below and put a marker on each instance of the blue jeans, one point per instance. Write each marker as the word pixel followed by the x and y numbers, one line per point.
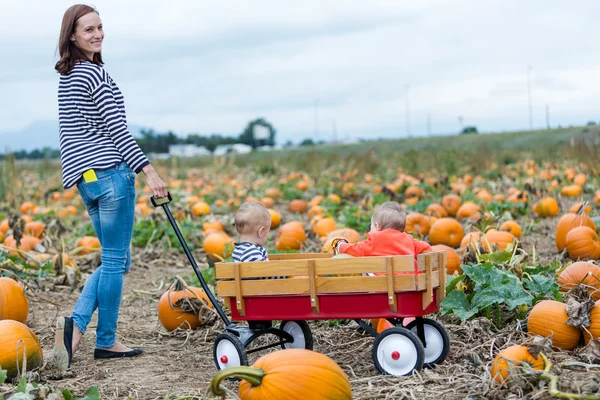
pixel 110 202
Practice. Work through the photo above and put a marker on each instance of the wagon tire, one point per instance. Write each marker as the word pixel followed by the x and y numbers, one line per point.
pixel 398 351
pixel 301 333
pixel 437 341
pixel 228 351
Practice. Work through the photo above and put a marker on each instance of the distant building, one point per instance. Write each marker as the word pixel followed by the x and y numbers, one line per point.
pixel 237 148
pixel 187 150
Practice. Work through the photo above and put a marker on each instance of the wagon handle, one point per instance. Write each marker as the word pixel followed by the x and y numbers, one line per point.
pixel 163 202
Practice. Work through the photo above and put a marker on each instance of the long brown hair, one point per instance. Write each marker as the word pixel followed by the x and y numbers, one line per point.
pixel 68 50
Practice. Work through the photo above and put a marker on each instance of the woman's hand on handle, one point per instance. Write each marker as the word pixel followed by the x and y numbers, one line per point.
pixel 158 187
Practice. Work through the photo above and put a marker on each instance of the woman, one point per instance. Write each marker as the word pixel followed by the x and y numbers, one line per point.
pixel 100 156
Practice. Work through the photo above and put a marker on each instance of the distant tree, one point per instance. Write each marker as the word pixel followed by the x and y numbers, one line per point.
pixel 247 136
pixel 288 144
pixel 591 123
pixel 467 130
pixel 307 142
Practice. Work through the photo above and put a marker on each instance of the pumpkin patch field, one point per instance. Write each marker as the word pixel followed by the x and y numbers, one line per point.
pixel 516 213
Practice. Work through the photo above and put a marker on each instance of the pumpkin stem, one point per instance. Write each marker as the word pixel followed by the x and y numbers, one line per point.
pixel 253 376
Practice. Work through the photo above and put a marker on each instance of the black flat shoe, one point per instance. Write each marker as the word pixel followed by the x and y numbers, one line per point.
pixel 63 342
pixel 100 354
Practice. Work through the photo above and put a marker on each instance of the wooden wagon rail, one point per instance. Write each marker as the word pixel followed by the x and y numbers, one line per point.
pixel 316 274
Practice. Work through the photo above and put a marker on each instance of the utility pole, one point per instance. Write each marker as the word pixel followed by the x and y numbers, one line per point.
pixel 529 68
pixel 547 116
pixel 407 87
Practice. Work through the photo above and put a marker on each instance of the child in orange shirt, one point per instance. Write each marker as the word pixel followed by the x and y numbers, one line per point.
pixel 386 237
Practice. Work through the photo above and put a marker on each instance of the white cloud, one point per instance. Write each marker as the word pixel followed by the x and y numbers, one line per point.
pixel 210 67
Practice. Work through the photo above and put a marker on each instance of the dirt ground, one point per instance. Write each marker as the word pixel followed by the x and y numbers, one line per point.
pixel 180 364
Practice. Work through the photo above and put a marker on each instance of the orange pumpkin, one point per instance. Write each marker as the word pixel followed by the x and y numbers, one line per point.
pixel 547 207
pixel 511 227
pixel 446 231
pixel 571 191
pixel 88 244
pixel 518 196
pixel 291 236
pixel 218 246
pixel 4 227
pixel 549 317
pixel 27 207
pixel 582 243
pixel 451 202
pixel 577 207
pixel 35 228
pixel 298 206
pixel 516 355
pixel 468 210
pixel 453 261
pixel 13 302
pixel 324 226
pixel 290 374
pixel 273 192
pixel 499 239
pixel 17 340
pixel 275 218
pixel 172 315
pixel 471 239
pixel 27 244
pixel 268 202
pixel 581 272
pixel 436 210
pixel 214 225
pixel 568 222
pixel 413 191
pixel 417 223
pixel 593 331
pixel 200 208
pixel 580 179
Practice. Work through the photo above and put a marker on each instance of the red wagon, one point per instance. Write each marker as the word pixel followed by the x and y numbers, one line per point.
pixel 318 286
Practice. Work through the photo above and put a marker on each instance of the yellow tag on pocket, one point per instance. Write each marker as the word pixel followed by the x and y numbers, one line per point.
pixel 89 176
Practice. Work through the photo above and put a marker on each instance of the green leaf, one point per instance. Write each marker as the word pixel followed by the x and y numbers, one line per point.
pixel 22 386
pixel 498 257
pixel 540 284
pixel 3 375
pixel 67 394
pixel 456 303
pixel 92 394
pixel 486 297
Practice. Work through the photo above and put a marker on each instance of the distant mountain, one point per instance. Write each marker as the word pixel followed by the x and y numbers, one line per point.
pixel 38 135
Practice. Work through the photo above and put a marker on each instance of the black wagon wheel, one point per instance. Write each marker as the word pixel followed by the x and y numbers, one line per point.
pixel 228 351
pixel 437 341
pixel 301 333
pixel 398 351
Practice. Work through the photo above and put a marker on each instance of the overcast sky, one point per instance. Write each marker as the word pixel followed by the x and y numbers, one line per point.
pixel 211 66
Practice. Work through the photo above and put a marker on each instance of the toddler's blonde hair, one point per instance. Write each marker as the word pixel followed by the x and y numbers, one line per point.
pixel 390 215
pixel 250 216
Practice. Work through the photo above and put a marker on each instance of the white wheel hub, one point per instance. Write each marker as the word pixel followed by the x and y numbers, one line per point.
pixel 227 354
pixel 295 331
pixel 397 354
pixel 435 343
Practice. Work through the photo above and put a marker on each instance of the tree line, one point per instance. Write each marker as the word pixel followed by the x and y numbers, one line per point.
pixel 153 142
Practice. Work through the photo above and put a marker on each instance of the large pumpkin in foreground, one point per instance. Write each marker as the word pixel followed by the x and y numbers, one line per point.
pixel 567 223
pixel 291 236
pixel 291 374
pixel 549 318
pixel 13 302
pixel 16 335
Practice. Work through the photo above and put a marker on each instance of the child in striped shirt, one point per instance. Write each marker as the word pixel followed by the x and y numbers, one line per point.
pixel 253 223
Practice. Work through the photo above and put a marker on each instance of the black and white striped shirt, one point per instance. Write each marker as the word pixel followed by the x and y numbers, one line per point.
pixel 246 251
pixel 93 125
